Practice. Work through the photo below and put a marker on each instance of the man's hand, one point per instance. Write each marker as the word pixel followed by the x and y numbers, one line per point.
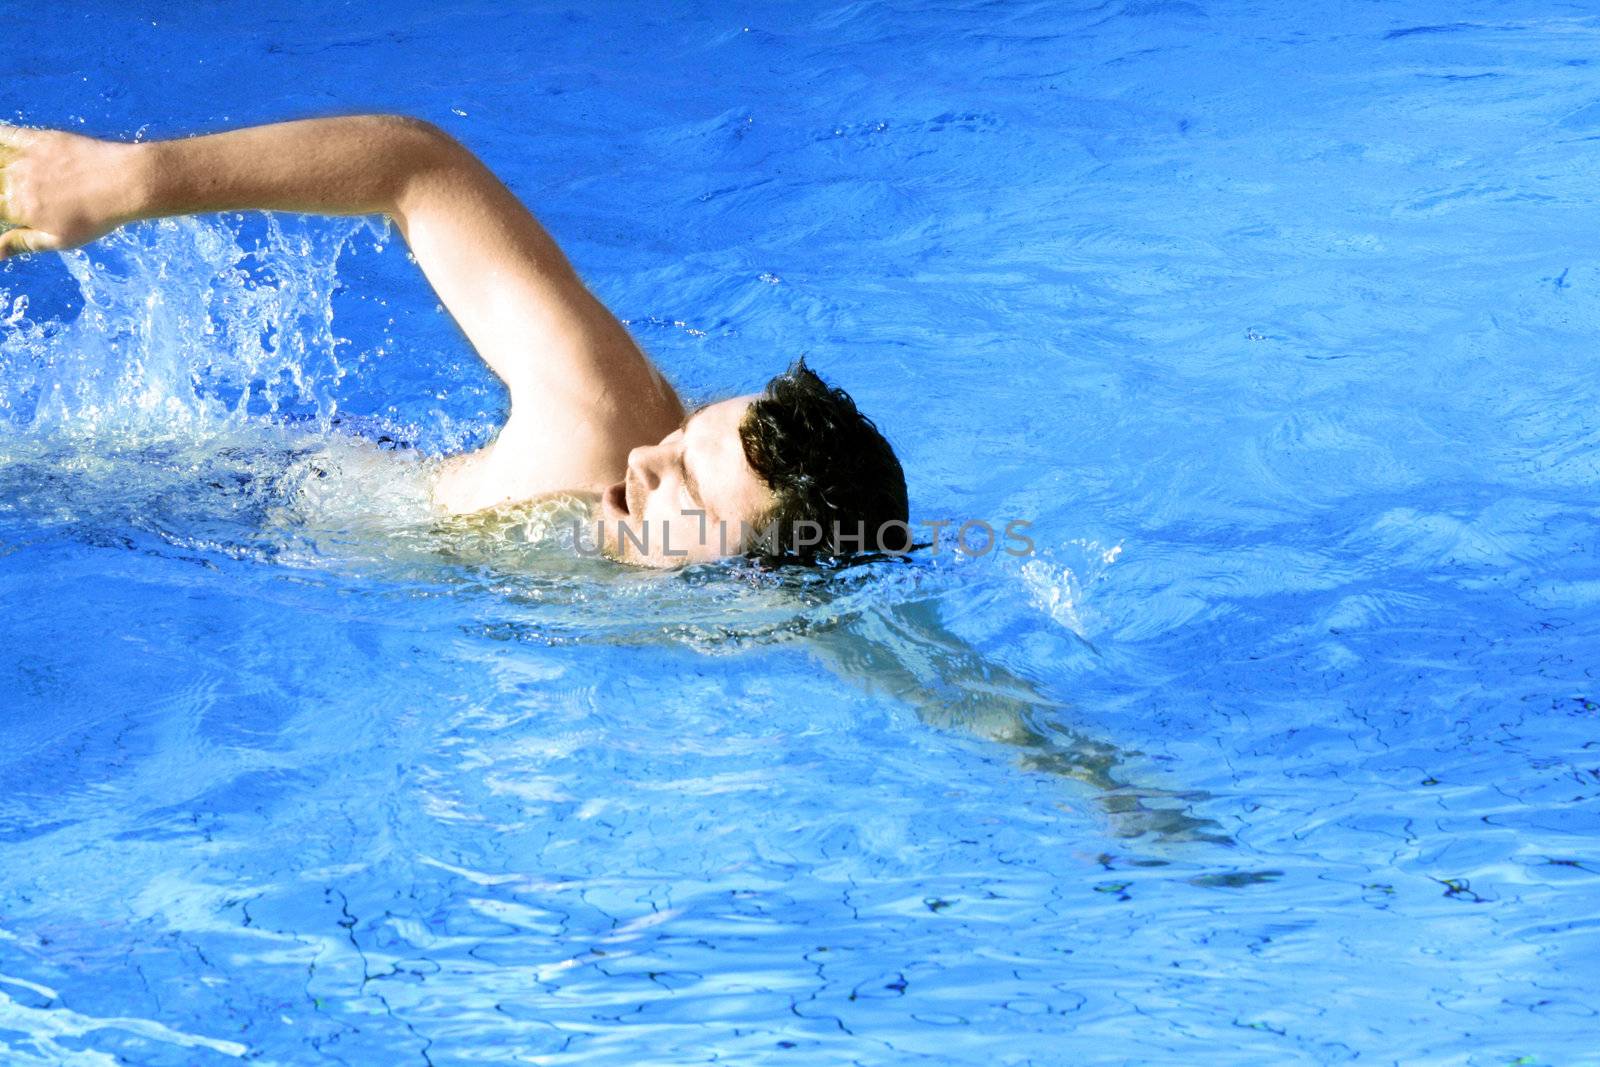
pixel 61 190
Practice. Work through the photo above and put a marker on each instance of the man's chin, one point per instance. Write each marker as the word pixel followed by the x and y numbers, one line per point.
pixel 619 543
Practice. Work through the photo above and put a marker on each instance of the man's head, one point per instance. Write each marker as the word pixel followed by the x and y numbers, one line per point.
pixel 792 472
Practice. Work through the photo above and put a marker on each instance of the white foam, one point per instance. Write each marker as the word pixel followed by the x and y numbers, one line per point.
pixel 1060 591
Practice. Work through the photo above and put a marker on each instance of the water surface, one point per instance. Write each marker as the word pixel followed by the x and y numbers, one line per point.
pixel 1278 326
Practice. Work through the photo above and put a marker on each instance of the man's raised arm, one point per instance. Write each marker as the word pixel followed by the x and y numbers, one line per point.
pixel 582 393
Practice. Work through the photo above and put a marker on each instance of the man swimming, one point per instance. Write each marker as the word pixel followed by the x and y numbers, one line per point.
pixel 793 472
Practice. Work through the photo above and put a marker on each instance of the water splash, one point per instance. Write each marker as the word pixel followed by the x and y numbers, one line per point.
pixel 187 327
pixel 189 395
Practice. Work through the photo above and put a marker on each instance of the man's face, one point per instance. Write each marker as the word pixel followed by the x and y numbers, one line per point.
pixel 685 499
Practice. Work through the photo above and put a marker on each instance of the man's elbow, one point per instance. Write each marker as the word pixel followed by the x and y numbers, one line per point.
pixel 413 141
pixel 413 128
pixel 420 153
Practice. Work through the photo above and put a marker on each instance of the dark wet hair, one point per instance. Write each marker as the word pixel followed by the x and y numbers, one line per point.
pixel 837 482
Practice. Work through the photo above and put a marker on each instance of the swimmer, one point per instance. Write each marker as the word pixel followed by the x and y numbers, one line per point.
pixel 794 472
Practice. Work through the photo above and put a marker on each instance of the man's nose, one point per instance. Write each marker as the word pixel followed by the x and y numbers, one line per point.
pixel 646 463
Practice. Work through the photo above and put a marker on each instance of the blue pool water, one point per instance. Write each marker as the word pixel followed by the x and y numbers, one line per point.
pixel 1278 322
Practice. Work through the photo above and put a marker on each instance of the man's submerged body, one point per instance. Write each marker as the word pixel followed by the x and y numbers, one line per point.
pixel 589 412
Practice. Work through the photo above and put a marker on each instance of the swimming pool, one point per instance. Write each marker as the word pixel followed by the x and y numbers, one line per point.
pixel 1282 746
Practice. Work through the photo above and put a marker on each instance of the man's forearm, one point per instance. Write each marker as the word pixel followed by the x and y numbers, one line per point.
pixel 339 166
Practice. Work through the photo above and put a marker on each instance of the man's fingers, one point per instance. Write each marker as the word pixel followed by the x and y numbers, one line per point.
pixel 15 242
pixel 13 139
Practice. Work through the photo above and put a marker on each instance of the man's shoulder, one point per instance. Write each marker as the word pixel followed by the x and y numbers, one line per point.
pixel 535 456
